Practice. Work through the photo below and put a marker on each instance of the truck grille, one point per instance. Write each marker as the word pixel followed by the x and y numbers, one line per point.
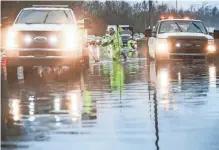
pixel 187 45
pixel 40 53
pixel 40 39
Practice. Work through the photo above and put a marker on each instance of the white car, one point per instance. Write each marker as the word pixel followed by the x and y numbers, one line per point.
pixel 91 38
pixel 173 38
pixel 98 39
pixel 46 35
pixel 125 39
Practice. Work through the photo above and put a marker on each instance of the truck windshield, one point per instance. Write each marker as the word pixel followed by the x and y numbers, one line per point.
pixel 182 26
pixel 126 37
pixel 45 17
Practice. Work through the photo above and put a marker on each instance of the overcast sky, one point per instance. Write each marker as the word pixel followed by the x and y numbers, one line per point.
pixel 186 3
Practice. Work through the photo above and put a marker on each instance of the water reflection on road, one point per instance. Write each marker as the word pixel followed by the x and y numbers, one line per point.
pixel 113 105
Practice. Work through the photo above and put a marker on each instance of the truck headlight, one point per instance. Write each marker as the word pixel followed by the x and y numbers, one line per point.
pixel 27 39
pixel 71 40
pixel 53 40
pixel 162 46
pixel 11 39
pixel 211 48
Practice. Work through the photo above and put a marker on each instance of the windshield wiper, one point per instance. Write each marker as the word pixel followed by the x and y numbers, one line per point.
pixel 197 27
pixel 178 26
pixel 46 17
pixel 28 23
pixel 66 14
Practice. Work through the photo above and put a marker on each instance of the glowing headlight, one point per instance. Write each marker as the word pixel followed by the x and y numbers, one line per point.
pixel 162 45
pixel 71 40
pixel 27 39
pixel 14 105
pixel 178 45
pixel 11 39
pixel 211 47
pixel 53 40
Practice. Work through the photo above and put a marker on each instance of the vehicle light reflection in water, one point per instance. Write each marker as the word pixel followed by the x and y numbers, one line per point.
pixel 179 81
pixel 212 76
pixel 31 108
pixel 163 79
pixel 179 78
pixel 57 104
pixel 74 106
pixel 14 105
pixel 163 83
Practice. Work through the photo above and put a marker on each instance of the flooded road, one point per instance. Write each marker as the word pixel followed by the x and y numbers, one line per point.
pixel 113 105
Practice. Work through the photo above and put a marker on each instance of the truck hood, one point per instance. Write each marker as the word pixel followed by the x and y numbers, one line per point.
pixel 42 27
pixel 184 34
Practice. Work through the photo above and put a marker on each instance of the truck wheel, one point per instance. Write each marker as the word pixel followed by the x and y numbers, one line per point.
pixel 26 70
pixel 11 74
pixel 75 66
pixel 210 58
pixel 86 61
pixel 159 59
pixel 151 58
pixel 86 58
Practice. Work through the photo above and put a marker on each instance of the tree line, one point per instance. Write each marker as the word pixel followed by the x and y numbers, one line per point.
pixel 133 13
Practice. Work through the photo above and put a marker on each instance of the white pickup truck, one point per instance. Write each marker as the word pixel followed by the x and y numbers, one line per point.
pixel 173 38
pixel 46 35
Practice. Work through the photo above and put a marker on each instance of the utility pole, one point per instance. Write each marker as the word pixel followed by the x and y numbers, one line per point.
pixel 145 15
pixel 176 6
pixel 150 14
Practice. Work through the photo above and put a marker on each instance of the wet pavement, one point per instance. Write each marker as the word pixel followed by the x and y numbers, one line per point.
pixel 132 105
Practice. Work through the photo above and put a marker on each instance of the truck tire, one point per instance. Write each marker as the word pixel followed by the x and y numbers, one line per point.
pixel 210 58
pixel 86 58
pixel 86 61
pixel 159 59
pixel 151 58
pixel 11 74
pixel 75 66
pixel 27 70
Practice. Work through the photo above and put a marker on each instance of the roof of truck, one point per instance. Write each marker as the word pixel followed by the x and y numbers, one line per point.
pixel 46 8
pixel 179 20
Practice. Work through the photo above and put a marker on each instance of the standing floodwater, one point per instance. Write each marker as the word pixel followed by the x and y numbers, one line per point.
pixel 132 105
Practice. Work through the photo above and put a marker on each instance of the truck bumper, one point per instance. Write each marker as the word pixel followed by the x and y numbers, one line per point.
pixel 42 57
pixel 190 55
pixel 41 61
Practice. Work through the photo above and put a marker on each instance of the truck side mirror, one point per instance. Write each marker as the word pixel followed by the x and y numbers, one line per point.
pixel 5 22
pixel 216 34
pixel 154 28
pixel 148 33
pixel 85 23
pixel 154 34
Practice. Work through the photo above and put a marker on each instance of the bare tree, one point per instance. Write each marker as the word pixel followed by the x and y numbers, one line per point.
pixel 120 12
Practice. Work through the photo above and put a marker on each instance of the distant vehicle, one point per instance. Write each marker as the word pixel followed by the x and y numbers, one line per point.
pixel 47 35
pixel 125 39
pixel 127 29
pixel 141 36
pixel 173 38
pixel 111 26
pixel 98 40
pixel 138 36
pixel 91 39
